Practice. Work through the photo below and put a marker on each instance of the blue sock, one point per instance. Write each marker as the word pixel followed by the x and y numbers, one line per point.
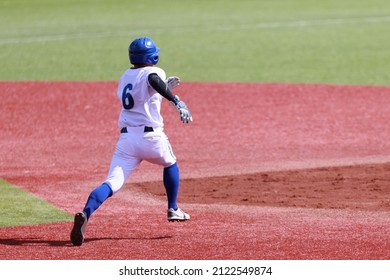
pixel 96 198
pixel 171 180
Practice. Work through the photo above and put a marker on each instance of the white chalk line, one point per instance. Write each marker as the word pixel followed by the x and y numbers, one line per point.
pixel 180 30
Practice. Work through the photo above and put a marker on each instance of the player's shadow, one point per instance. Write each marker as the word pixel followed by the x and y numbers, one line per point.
pixel 62 243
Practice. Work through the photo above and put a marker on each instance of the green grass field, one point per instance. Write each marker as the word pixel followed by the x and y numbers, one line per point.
pixel 333 41
pixel 20 208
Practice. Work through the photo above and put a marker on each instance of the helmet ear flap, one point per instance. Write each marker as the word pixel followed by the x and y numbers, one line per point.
pixel 156 58
pixel 143 51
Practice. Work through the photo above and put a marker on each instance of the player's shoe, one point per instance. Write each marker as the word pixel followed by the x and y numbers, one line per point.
pixel 177 215
pixel 77 233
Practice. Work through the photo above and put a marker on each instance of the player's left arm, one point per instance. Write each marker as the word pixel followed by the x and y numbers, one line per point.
pixel 164 89
pixel 160 86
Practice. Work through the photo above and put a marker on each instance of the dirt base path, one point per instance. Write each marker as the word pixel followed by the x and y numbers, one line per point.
pixel 268 171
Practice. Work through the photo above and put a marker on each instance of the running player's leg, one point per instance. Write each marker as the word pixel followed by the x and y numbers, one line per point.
pixel 159 151
pixel 96 198
pixel 171 179
pixel 171 182
pixel 122 165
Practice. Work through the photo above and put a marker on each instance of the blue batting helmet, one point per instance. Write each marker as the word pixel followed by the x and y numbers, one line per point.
pixel 143 51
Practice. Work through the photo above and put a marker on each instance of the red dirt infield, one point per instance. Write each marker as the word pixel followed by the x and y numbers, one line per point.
pixel 269 171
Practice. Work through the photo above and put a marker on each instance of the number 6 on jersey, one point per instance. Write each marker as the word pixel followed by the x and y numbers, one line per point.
pixel 127 99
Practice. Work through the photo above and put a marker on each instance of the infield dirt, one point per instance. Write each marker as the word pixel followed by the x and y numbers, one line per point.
pixel 269 171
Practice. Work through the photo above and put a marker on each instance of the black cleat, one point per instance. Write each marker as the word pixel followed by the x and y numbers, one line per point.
pixel 77 233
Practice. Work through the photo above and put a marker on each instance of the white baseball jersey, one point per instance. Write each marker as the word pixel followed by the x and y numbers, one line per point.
pixel 141 104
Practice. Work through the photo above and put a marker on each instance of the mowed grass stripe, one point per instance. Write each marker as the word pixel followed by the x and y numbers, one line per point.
pixel 19 207
pixel 300 41
pixel 179 30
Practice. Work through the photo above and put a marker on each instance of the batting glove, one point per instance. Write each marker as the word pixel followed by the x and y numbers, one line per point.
pixel 185 114
pixel 173 82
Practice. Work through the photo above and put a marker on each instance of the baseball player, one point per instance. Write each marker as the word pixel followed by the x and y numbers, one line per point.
pixel 141 89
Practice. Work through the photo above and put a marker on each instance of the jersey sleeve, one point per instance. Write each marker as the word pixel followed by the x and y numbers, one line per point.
pixel 161 87
pixel 160 72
